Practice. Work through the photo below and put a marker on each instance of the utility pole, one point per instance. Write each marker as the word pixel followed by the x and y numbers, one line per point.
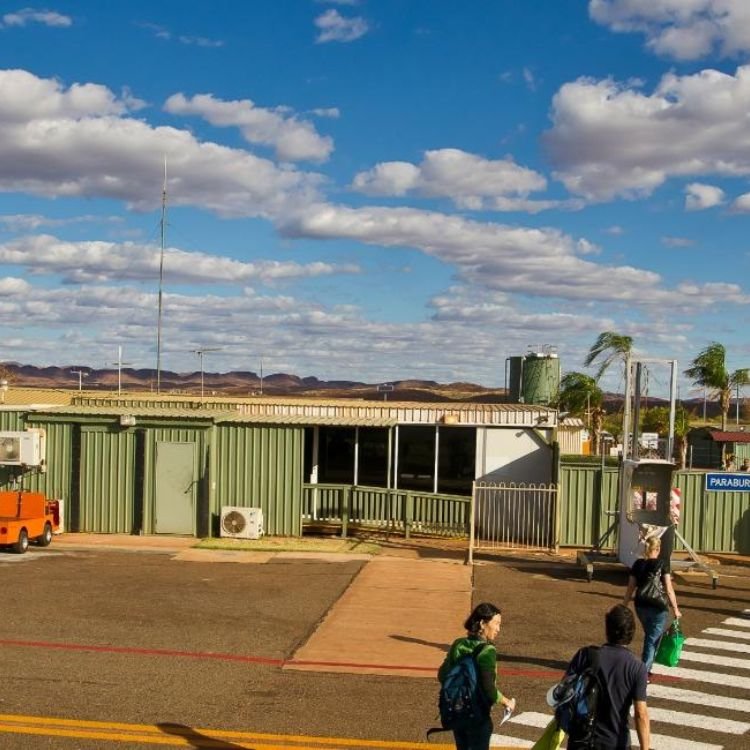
pixel 120 364
pixel 200 353
pixel 161 278
pixel 81 374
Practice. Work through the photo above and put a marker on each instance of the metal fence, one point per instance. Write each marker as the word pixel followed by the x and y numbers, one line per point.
pixel 515 515
pixel 400 511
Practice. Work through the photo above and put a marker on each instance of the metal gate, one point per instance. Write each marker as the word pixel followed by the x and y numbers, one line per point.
pixel 514 515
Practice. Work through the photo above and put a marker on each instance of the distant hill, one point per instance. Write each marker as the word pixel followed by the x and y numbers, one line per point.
pixel 243 383
pixel 248 383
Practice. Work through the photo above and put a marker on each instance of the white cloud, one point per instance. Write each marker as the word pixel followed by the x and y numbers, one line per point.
pixel 682 29
pixel 470 181
pixel 699 197
pixel 609 139
pixel 677 241
pixel 81 262
pixel 332 112
pixel 28 16
pixel 292 139
pixel 336 28
pixel 79 142
pixel 31 222
pixel 161 32
pixel 534 262
pixel 741 204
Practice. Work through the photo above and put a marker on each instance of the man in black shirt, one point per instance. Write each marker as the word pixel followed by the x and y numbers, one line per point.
pixel 623 678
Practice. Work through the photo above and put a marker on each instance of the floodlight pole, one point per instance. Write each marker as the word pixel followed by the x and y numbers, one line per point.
pixel 161 278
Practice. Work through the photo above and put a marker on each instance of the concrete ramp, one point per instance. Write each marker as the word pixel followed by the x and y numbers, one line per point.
pixel 398 617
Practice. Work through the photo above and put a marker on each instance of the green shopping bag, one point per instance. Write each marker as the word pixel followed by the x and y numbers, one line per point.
pixel 670 647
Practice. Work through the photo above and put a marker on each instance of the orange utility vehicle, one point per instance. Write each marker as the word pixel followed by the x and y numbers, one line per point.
pixel 27 516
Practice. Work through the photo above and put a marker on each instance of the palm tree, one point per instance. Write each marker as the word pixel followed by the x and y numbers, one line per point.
pixel 709 370
pixel 580 394
pixel 608 347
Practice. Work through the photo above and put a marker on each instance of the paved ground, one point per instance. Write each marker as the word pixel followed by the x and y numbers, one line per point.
pixel 94 630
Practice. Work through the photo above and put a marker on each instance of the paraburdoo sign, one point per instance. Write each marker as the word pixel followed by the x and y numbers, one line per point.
pixel 725 482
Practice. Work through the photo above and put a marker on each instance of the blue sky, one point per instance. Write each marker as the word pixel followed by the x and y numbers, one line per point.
pixel 373 190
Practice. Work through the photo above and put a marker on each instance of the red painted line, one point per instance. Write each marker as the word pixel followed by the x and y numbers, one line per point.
pixel 144 651
pixel 534 673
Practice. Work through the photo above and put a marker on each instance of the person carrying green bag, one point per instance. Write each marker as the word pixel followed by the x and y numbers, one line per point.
pixel 670 648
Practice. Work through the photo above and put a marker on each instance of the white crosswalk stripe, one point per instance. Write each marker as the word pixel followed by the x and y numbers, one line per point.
pixel 714 660
pixel 696 697
pixel 728 633
pixel 737 648
pixel 739 622
pixel 714 678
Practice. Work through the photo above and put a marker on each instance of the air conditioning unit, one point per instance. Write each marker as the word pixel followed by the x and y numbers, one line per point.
pixel 241 523
pixel 22 448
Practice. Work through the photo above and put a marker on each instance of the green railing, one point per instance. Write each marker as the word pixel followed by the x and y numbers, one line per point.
pixel 401 511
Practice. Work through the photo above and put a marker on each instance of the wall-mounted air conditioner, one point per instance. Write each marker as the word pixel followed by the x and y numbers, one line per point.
pixel 22 448
pixel 241 523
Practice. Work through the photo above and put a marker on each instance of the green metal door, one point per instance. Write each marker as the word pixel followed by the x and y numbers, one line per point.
pixel 176 484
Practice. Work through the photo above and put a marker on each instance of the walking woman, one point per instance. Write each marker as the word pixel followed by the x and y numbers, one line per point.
pixel 482 627
pixel 652 610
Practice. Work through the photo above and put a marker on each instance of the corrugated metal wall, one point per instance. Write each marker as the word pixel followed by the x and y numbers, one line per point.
pixel 107 475
pixel 261 467
pixel 710 521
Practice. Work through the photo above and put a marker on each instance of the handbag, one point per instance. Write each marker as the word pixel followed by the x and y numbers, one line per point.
pixel 651 592
pixel 670 647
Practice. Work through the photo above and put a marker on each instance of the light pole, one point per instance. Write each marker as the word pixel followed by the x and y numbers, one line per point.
pixel 120 364
pixel 200 353
pixel 81 374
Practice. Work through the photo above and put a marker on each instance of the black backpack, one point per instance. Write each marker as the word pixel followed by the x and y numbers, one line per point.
pixel 462 701
pixel 578 696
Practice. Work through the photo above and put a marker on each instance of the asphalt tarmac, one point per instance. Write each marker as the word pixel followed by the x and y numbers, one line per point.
pixel 155 649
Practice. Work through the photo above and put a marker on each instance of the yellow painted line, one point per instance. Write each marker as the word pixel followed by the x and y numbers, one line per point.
pixel 184 736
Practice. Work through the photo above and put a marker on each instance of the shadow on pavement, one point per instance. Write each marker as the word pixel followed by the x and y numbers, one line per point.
pixel 196 739
pixel 420 641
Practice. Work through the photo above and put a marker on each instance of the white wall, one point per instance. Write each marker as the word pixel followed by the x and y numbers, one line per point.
pixel 513 455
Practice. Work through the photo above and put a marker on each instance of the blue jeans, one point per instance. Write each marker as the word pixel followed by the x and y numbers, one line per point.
pixel 475 737
pixel 654 621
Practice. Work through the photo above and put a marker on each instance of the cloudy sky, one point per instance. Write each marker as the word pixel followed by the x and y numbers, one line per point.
pixel 373 189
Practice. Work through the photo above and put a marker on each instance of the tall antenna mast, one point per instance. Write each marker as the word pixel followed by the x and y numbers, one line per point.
pixel 161 277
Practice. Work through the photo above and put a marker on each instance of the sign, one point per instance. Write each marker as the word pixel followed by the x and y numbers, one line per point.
pixel 649 440
pixel 726 482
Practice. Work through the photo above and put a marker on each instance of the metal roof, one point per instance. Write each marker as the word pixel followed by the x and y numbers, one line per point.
pixel 343 411
pixel 222 416
pixel 730 437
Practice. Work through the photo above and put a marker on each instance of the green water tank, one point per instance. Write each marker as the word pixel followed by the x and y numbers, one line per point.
pixel 541 378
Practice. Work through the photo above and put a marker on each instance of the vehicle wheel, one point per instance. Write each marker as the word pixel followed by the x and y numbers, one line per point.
pixel 23 542
pixel 45 539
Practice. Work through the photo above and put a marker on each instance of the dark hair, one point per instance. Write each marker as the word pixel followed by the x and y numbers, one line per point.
pixel 619 624
pixel 483 612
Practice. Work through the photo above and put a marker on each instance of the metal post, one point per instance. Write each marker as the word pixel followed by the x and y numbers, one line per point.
pixel 437 458
pixel 672 410
pixel 470 555
pixel 635 449
pixel 626 407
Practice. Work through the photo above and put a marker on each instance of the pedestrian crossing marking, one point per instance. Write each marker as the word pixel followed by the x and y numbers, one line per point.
pixel 698 721
pixel 737 648
pixel 715 678
pixel 727 633
pixel 667 692
pixel 714 660
pixel 539 720
pixel 741 622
